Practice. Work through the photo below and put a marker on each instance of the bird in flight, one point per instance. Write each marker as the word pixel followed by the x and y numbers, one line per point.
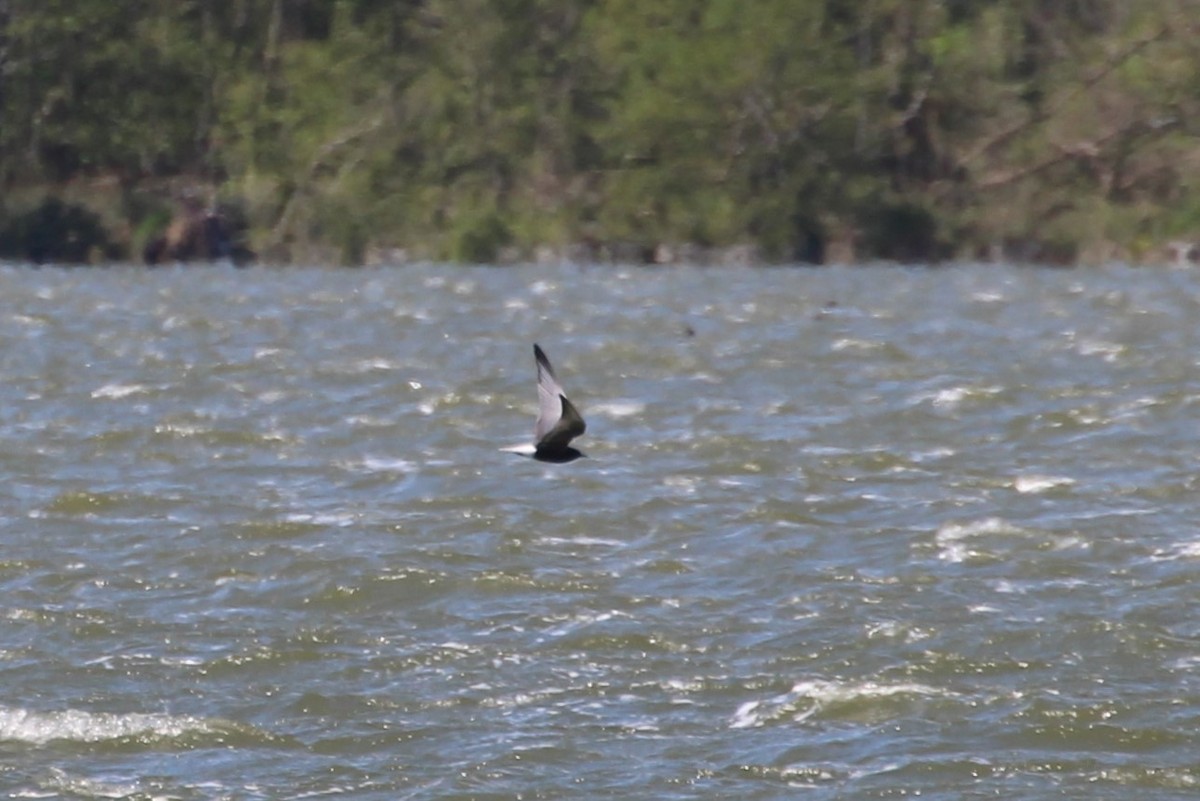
pixel 558 421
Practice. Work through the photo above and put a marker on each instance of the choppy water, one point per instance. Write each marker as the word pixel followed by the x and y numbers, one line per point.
pixel 844 533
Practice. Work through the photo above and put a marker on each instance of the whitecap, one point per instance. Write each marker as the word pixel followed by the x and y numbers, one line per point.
pixel 855 344
pixel 952 538
pixel 339 520
pixel 1183 550
pixel 601 542
pixel 118 391
pixel 618 409
pixel 894 630
pixel 39 728
pixel 1033 484
pixel 983 609
pixel 952 532
pixel 1188 663
pixel 1108 351
pixel 369 421
pixel 181 661
pixel 372 365
pixel 376 464
pixel 580 621
pixel 807 698
pixel 953 397
pixel 932 454
pixel 945 398
pixel 181 429
pixel 61 783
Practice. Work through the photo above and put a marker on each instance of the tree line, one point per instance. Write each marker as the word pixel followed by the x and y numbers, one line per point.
pixel 477 130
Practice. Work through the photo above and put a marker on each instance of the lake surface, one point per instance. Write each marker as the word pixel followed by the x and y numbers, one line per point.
pixel 844 533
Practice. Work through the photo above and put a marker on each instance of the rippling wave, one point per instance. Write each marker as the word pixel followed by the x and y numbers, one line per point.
pixel 842 533
pixel 130 730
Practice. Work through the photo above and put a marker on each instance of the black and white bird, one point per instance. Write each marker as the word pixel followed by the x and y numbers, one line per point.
pixel 558 421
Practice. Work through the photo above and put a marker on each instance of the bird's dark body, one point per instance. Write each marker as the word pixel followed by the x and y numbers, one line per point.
pixel 558 420
pixel 558 455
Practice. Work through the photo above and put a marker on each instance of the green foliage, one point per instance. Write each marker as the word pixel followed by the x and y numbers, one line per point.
pixel 901 231
pixel 152 224
pixel 468 129
pixel 480 240
pixel 55 232
pixel 100 86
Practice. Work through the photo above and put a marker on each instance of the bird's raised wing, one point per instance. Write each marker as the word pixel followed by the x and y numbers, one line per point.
pixel 558 420
pixel 550 397
pixel 569 426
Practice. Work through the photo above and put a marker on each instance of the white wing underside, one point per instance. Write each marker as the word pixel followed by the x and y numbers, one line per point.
pixel 549 402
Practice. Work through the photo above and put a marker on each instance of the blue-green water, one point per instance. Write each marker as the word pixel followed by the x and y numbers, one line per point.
pixel 843 534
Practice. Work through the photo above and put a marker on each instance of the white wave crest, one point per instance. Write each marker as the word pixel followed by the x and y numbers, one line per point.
pixel 1034 484
pixel 807 698
pixel 117 391
pixel 39 728
pixel 951 537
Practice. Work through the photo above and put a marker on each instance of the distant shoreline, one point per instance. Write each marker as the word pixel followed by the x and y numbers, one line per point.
pixel 77 228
